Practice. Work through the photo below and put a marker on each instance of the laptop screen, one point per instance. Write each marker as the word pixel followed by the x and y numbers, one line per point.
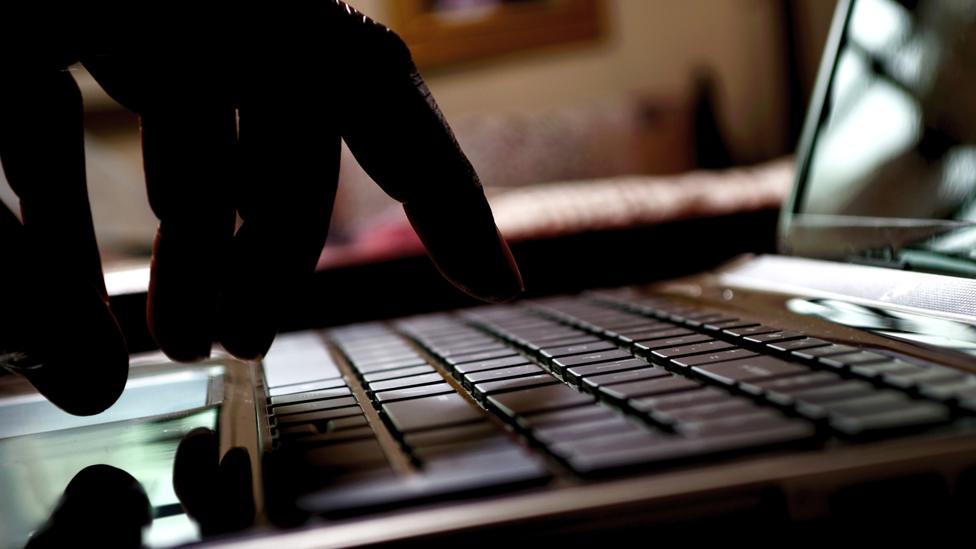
pixel 889 174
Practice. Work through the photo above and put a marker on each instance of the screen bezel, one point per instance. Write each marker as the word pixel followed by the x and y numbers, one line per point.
pixel 811 126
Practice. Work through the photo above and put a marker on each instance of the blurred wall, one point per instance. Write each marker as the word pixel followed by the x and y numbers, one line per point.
pixel 656 46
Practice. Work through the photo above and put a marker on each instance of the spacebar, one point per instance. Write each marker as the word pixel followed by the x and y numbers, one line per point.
pixel 454 478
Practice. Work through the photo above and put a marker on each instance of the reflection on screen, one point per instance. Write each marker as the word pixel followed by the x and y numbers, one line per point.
pixel 897 140
pixel 43 448
pixel 148 396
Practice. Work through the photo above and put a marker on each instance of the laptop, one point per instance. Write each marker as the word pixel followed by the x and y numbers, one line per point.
pixel 829 386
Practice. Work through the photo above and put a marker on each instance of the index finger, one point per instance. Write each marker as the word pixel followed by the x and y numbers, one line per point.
pixel 56 311
pixel 396 131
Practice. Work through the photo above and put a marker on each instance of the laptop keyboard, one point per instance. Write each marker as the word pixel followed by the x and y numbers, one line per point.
pixel 591 385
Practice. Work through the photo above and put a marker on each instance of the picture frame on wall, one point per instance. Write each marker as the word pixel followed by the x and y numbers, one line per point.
pixel 443 32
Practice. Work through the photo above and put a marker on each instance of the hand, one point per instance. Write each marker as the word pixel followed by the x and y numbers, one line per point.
pixel 241 113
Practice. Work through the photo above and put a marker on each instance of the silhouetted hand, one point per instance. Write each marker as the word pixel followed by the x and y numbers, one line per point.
pixel 241 113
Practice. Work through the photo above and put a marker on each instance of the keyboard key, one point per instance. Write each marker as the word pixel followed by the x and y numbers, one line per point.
pixel 711 358
pixel 923 376
pixel 401 372
pixel 536 345
pixel 962 389
pixel 480 366
pixel 315 406
pixel 710 319
pixel 839 391
pixel 610 441
pixel 497 443
pixel 539 399
pixel 852 359
pixel 310 396
pixel 345 423
pixel 305 429
pixel 392 349
pixel 773 337
pixel 577 373
pixel 363 454
pixel 479 357
pixel 664 403
pixel 756 420
pixel 475 471
pixel 393 365
pixel 566 433
pixel 877 370
pixel 724 408
pixel 446 477
pixel 542 335
pixel 577 349
pixel 879 401
pixel 450 435
pixel 778 390
pixel 630 323
pixel 664 343
pixel 502 373
pixel 705 316
pixel 917 415
pixel 662 450
pixel 413 392
pixel 692 349
pixel 486 345
pixel 561 364
pixel 427 413
pixel 333 437
pixel 809 403
pixel 385 342
pixel 750 369
pixel 750 330
pixel 298 358
pixel 626 391
pixel 405 382
pixel 798 344
pixel 645 327
pixel 305 387
pixel 726 323
pixel 388 353
pixel 628 338
pixel 817 352
pixel 459 339
pixel 318 416
pixel 668 333
pixel 494 387
pixel 593 383
pixel 568 416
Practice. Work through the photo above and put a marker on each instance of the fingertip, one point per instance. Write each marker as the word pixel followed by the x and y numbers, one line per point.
pixel 511 286
pixel 86 372
pixel 181 301
pixel 180 348
pixel 179 341
pixel 246 328
pixel 467 248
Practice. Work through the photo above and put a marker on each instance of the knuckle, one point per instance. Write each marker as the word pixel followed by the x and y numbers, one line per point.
pixel 374 43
